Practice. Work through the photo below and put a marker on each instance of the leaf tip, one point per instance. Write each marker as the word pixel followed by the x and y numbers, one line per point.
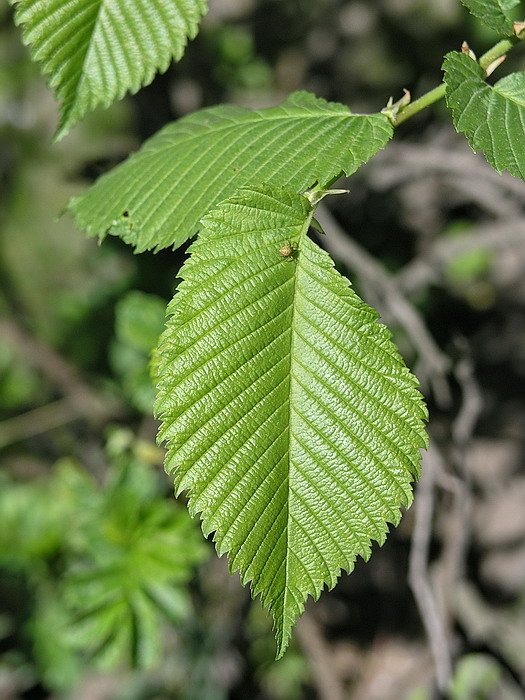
pixel 63 128
pixel 282 637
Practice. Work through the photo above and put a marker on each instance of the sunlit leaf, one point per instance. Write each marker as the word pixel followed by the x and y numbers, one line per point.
pixel 157 197
pixel 289 416
pixel 94 51
pixel 492 117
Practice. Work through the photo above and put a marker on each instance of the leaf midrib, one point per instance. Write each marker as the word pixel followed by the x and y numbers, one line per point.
pixel 293 334
pixel 185 137
pixel 84 62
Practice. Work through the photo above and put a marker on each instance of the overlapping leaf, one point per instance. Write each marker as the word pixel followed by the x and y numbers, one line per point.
pixel 157 197
pixel 94 51
pixel 492 117
pixel 289 416
pixel 496 14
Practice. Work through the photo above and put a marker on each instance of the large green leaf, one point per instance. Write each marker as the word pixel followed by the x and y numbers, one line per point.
pixel 157 197
pixel 492 117
pixel 94 51
pixel 289 416
pixel 496 14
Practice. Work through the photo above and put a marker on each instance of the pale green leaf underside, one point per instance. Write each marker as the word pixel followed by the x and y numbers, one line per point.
pixel 196 162
pixel 492 117
pixel 94 51
pixel 496 14
pixel 289 416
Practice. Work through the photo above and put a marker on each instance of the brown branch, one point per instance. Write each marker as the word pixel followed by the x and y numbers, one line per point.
pixel 428 268
pixel 402 162
pixel 502 631
pixel 328 683
pixel 80 399
pixel 457 527
pixel 37 421
pixel 436 601
pixel 418 574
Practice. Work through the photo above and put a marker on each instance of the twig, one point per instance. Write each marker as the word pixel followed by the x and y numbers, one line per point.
pixel 36 422
pixel 418 575
pixel 433 364
pixel 80 399
pixel 428 268
pixel 471 406
pixel 329 685
pixel 402 162
pixel 489 197
pixel 437 93
pixel 63 375
pixel 501 631
pixel 457 521
pixel 436 602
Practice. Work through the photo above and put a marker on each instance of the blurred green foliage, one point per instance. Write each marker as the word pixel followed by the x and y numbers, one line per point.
pixel 19 384
pixel 468 272
pixel 477 677
pixel 107 564
pixel 139 320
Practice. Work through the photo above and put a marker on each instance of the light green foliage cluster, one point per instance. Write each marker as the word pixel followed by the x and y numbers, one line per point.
pixel 107 563
pixel 289 417
pixel 139 321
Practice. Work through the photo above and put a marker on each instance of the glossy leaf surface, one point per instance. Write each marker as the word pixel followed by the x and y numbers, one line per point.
pixel 492 117
pixel 289 416
pixel 94 51
pixel 157 197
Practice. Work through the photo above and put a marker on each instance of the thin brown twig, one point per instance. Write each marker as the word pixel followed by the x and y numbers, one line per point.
pixel 471 407
pixel 433 364
pixel 436 601
pixel 456 533
pixel 418 574
pixel 63 375
pixel 428 268
pixel 404 161
pixel 80 399
pixel 37 421
pixel 328 683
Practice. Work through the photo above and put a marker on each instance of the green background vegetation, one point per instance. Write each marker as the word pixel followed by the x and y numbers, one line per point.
pixel 107 588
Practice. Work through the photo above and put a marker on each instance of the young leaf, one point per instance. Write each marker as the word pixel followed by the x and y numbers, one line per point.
pixel 496 14
pixel 94 51
pixel 119 596
pixel 194 163
pixel 134 557
pixel 289 416
pixel 492 117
